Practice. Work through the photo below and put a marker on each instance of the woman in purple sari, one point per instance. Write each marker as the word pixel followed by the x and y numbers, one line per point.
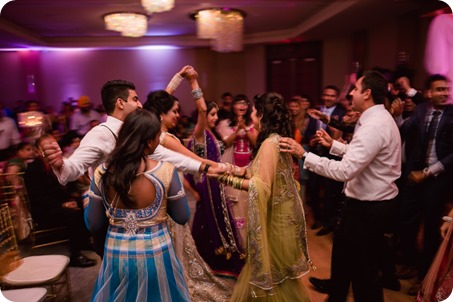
pixel 213 226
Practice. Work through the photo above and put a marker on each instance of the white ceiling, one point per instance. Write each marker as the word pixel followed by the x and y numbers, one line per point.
pixel 79 23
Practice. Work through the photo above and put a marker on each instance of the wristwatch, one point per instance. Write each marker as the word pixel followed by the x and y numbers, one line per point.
pixel 426 172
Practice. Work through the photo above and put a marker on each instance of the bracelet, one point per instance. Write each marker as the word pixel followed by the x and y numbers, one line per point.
pixel 447 219
pixel 231 181
pixel 206 168
pixel 175 82
pixel 222 178
pixel 197 94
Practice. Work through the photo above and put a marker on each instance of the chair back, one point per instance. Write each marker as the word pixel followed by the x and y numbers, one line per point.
pixel 9 251
pixel 14 193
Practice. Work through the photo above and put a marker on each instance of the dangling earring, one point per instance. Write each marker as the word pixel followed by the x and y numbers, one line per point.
pixel 259 125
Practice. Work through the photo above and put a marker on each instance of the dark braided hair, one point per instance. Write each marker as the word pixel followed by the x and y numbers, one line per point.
pixel 275 118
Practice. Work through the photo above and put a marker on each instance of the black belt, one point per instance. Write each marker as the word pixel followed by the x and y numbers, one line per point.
pixel 353 200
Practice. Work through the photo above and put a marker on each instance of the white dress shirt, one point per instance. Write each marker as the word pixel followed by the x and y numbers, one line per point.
pixel 99 142
pixel 9 135
pixel 371 162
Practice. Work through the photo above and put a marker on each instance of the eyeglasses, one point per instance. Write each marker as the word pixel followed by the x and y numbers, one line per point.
pixel 245 103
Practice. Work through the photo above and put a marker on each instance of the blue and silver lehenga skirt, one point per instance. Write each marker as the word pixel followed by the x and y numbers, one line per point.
pixel 140 267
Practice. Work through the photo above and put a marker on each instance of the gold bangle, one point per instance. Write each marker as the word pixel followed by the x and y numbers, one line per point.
pixel 242 181
pixel 237 182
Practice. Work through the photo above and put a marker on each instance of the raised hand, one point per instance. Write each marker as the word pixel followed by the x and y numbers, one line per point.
pixel 191 74
pixel 404 83
pixel 351 117
pixel 324 138
pixel 184 70
pixel 318 115
pixel 53 155
pixel 396 109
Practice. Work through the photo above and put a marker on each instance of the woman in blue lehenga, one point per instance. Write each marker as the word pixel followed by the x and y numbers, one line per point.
pixel 136 194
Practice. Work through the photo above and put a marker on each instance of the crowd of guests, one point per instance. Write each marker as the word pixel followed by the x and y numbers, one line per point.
pixel 422 194
pixel 369 161
pixel 40 201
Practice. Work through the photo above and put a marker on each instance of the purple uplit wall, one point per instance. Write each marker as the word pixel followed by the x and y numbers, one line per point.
pixel 61 75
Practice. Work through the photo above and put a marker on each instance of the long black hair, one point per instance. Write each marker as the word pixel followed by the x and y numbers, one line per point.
pixel 275 118
pixel 209 106
pixel 138 129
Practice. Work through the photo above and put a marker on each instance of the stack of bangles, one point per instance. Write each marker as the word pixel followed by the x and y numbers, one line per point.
pixel 231 181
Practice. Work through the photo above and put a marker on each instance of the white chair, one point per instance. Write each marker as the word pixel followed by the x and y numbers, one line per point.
pixel 48 270
pixel 34 294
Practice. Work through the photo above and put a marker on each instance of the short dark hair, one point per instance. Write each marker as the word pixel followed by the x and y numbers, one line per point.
pixel 376 82
pixel 433 78
pixel 226 94
pixel 159 102
pixel 22 145
pixel 333 87
pixel 112 90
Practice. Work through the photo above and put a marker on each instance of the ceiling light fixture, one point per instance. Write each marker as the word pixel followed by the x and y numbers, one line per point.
pixel 224 26
pixel 157 6
pixel 128 24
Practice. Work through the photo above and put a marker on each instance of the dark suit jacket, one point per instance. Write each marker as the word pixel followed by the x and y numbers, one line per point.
pixel 413 132
pixel 337 114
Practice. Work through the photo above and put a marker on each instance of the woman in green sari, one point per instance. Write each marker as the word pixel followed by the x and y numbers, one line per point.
pixel 277 255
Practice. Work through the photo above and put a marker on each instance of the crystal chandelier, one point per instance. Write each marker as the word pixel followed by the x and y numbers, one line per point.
pixel 128 24
pixel 224 26
pixel 157 6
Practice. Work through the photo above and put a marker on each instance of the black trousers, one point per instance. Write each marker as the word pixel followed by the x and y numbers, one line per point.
pixel 357 248
pixel 425 200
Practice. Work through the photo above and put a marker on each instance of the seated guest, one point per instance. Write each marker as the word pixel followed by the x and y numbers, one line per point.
pixel 52 205
pixel 17 201
pixel 9 135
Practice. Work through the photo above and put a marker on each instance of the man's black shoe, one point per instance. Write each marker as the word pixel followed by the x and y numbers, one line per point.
pixel 324 231
pixel 321 285
pixel 391 283
pixel 81 261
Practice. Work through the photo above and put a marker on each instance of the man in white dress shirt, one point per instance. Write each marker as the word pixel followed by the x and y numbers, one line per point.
pixel 119 99
pixel 370 165
pixel 9 135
